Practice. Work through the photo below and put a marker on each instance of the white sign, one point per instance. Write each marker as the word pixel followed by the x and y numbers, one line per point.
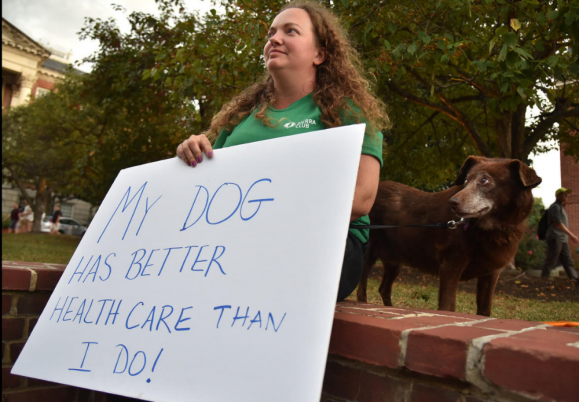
pixel 216 283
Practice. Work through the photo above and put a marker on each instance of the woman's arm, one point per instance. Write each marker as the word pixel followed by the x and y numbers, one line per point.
pixel 366 186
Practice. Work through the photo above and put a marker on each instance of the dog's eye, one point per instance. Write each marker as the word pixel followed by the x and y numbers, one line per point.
pixel 484 180
pixel 466 181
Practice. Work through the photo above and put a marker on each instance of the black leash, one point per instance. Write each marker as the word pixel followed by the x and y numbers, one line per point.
pixel 440 225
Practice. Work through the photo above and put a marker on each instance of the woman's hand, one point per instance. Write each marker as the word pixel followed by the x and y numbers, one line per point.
pixel 191 150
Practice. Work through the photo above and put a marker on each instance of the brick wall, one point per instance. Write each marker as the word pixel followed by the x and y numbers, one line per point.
pixel 26 288
pixel 570 179
pixel 377 353
pixel 382 353
pixel 40 83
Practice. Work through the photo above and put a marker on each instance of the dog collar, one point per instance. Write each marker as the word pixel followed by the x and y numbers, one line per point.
pixel 454 225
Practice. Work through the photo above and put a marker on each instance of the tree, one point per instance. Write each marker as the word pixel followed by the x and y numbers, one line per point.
pixel 202 62
pixel 481 64
pixel 141 121
pixel 459 75
pixel 74 141
pixel 161 81
pixel 42 146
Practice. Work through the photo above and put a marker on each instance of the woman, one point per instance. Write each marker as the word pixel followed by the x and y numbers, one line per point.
pixel 26 219
pixel 312 82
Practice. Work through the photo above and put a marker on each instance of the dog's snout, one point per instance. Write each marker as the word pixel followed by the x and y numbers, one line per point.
pixel 454 202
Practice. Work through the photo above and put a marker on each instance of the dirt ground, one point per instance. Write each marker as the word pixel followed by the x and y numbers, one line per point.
pixel 512 282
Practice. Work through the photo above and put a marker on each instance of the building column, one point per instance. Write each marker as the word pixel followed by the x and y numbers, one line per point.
pixel 26 83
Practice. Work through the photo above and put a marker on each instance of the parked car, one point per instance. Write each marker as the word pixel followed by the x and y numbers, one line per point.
pixel 68 226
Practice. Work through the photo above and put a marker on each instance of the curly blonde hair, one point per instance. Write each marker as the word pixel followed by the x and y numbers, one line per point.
pixel 341 90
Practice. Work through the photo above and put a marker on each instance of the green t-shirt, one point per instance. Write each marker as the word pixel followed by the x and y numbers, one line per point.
pixel 300 117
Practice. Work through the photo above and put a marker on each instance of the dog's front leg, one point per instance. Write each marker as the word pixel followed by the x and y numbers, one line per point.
pixel 369 261
pixel 450 273
pixel 391 272
pixel 370 258
pixel 485 288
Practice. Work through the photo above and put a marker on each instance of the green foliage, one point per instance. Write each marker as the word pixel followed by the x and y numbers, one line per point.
pixel 424 150
pixel 140 120
pixel 214 57
pixel 42 146
pixel 458 76
pixel 569 133
pixel 32 149
pixel 531 252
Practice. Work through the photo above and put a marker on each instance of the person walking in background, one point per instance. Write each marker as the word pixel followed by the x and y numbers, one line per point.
pixel 55 221
pixel 26 219
pixel 14 218
pixel 558 235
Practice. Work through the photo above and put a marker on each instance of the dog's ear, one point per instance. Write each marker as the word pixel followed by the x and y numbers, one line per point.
pixel 526 175
pixel 466 167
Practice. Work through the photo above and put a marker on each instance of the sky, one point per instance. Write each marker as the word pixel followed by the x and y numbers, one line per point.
pixel 56 23
pixel 548 167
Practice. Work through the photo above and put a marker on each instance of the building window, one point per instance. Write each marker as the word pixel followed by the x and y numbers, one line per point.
pixel 41 92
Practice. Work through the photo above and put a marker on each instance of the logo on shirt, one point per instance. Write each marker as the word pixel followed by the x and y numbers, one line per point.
pixel 302 124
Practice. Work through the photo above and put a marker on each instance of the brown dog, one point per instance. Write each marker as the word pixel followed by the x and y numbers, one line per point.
pixel 495 194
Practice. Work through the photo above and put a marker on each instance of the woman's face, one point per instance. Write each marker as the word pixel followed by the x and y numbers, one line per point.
pixel 291 43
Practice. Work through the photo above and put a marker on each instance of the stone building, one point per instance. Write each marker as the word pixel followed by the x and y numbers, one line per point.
pixel 30 69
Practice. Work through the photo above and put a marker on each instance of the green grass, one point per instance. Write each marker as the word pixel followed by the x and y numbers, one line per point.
pixel 504 306
pixel 38 247
pixel 59 249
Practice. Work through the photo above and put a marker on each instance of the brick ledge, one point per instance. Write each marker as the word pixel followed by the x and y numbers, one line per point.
pixel 510 360
pixel 502 358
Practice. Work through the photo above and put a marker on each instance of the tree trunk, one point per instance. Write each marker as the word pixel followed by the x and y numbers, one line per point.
pixel 510 131
pixel 518 134
pixel 503 132
pixel 42 196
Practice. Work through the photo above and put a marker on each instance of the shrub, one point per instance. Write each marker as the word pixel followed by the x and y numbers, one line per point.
pixel 531 251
